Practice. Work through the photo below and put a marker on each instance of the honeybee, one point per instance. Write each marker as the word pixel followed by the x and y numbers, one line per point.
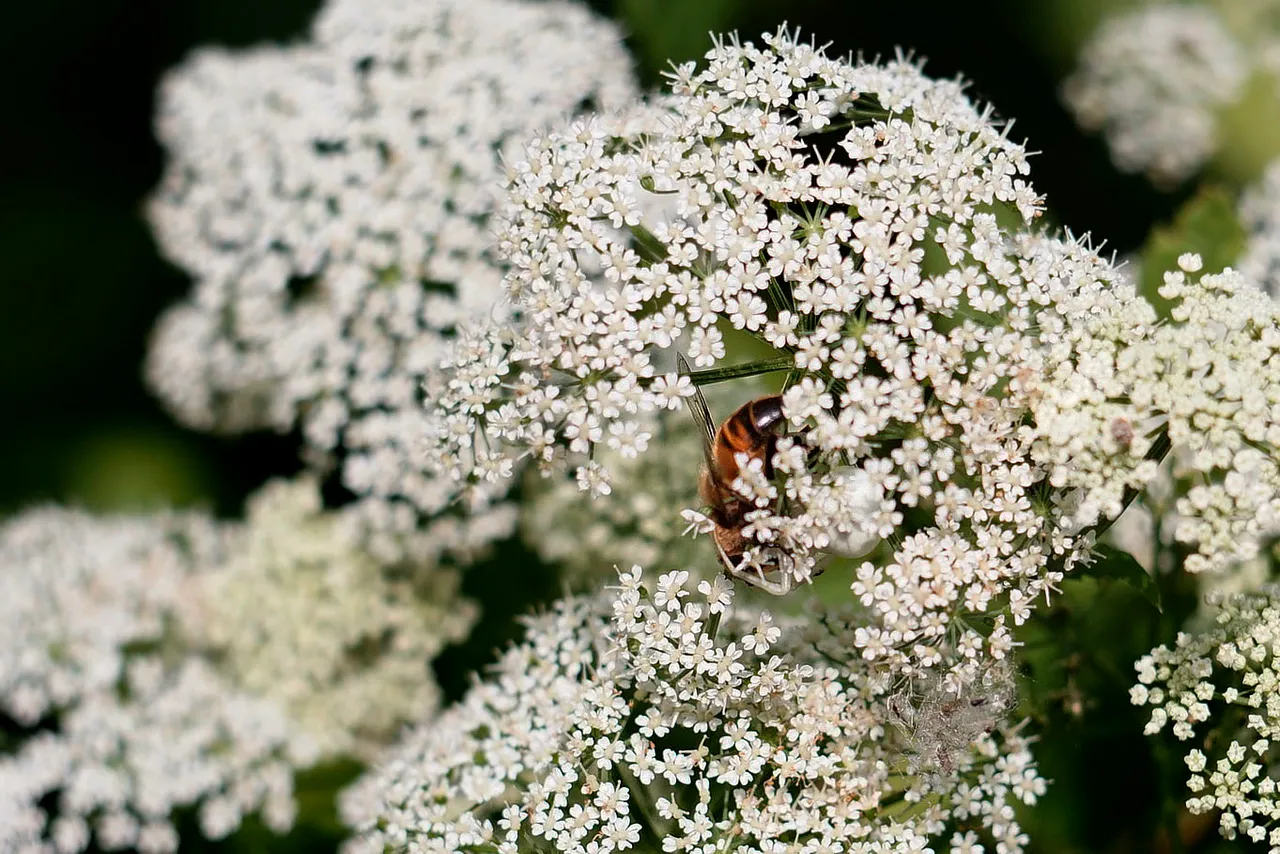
pixel 753 429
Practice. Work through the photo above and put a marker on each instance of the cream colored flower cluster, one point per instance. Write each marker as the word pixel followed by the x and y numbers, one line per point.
pixel 638 521
pixel 1207 383
pixel 851 217
pixel 656 716
pixel 157 664
pixel 1154 80
pixel 342 644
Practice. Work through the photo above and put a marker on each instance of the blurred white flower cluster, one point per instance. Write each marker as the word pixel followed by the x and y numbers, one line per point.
pixel 1225 680
pixel 660 717
pixel 342 644
pixel 1259 213
pixel 1207 381
pixel 119 725
pixel 849 216
pixel 331 200
pixel 1154 80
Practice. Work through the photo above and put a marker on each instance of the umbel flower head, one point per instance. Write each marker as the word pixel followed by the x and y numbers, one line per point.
pixel 332 201
pixel 866 225
pixel 297 615
pixel 1206 383
pixel 659 716
pixel 1220 686
pixel 111 721
pixel 1155 80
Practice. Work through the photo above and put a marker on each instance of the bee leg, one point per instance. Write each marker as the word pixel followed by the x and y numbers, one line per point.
pixel 754 578
pixel 780 587
pixel 727 564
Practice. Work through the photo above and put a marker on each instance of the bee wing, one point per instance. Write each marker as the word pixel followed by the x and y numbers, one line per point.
pixel 701 414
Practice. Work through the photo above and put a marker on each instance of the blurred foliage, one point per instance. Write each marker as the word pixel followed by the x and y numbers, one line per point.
pixel 135 469
pixel 1108 782
pixel 673 31
pixel 1112 564
pixel 529 586
pixel 1057 28
pixel 1250 132
pixel 81 284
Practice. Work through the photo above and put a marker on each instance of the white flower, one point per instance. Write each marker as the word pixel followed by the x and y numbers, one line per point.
pixel 1155 79
pixel 623 719
pixel 295 615
pixel 142 729
pixel 1224 679
pixel 332 201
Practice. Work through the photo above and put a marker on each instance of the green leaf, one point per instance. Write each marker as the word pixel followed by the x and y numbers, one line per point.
pixel 1111 562
pixel 1207 225
pixel 667 31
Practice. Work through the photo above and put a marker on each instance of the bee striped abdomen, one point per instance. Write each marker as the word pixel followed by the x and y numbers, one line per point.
pixel 737 433
pixel 753 430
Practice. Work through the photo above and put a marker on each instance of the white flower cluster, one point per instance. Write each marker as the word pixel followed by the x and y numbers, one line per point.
pixel 1155 79
pixel 1259 213
pixel 639 520
pixel 332 201
pixel 1225 679
pixel 660 718
pixel 1147 531
pixel 1207 382
pixel 847 215
pixel 343 645
pixel 116 727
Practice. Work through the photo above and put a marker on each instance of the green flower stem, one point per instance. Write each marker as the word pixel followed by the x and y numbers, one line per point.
pixel 649 247
pixel 747 369
pixel 713 625
pixel 656 826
